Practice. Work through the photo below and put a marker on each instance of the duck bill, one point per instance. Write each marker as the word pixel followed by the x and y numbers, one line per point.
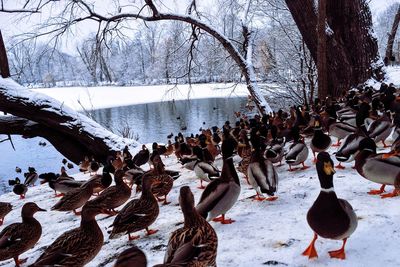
pixel 40 209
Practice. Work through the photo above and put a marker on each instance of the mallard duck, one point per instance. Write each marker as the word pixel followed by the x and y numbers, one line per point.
pixel 195 244
pixel 221 194
pixel 298 151
pixel 113 196
pixel 133 176
pixel 131 257
pixel 341 130
pixel 75 198
pixel 378 168
pixel 18 189
pixel 138 214
pixel 262 176
pixel 30 177
pixel 17 238
pixel 75 247
pixel 275 151
pixel 164 182
pixel 5 208
pixel 60 183
pixel 142 157
pixel 100 181
pixel 84 165
pixel 329 217
pixel 348 149
pixel 380 129
pixel 320 141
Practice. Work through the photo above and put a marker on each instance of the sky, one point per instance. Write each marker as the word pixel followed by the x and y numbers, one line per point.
pixel 11 24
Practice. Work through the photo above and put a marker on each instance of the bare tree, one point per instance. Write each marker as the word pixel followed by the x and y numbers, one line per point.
pixel 392 35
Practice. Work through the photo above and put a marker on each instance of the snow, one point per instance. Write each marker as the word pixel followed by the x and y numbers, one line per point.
pixel 115 96
pixel 263 231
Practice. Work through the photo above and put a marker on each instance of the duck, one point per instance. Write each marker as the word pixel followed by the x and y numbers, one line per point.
pixel 262 176
pixel 298 151
pixel 76 247
pixel 93 167
pixel 130 257
pixel 164 182
pixel 194 244
pixel 18 189
pixel 320 141
pixel 170 149
pixel 170 136
pixel 221 194
pixel 380 129
pixel 31 177
pixel 133 176
pixel 275 151
pixel 329 217
pixel 5 208
pixel 101 181
pixel 75 198
pixel 61 183
pixel 341 130
pixel 118 162
pixel 18 169
pixel 138 214
pixel 378 168
pixel 142 157
pixel 84 165
pixel 17 238
pixel 113 196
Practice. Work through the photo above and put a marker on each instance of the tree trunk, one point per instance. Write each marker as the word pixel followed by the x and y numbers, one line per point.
pixel 72 134
pixel 352 51
pixel 321 51
pixel 392 35
pixel 4 68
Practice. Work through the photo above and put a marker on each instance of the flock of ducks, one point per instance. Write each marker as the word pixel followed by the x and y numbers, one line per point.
pixel 361 119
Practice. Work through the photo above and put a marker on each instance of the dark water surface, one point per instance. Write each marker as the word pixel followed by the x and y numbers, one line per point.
pixel 150 122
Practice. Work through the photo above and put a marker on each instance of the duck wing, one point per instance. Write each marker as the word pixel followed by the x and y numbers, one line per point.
pixel 211 170
pixel 294 151
pixel 377 128
pixel 266 177
pixel 134 211
pixel 211 196
pixel 12 234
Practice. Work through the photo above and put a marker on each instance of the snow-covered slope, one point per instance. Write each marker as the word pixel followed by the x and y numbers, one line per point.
pixel 265 233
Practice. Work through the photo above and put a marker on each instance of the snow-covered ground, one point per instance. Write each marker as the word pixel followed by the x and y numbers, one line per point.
pixel 265 233
pixel 116 96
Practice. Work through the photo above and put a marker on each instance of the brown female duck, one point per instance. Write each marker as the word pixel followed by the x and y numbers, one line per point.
pixel 132 257
pixel 5 208
pixel 75 198
pixel 164 182
pixel 17 238
pixel 78 246
pixel 195 244
pixel 138 214
pixel 329 216
pixel 113 196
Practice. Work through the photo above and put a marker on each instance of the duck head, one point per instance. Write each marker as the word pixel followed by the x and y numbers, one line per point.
pixel 325 170
pixel 228 147
pixel 367 145
pixel 186 199
pixel 29 209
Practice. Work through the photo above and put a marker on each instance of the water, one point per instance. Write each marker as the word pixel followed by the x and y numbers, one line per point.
pixel 149 122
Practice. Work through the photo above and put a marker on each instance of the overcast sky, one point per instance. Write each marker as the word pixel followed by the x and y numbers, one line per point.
pixel 10 23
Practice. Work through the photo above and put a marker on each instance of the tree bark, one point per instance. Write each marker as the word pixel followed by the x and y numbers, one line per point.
pixel 392 35
pixel 321 50
pixel 352 51
pixel 72 134
pixel 4 68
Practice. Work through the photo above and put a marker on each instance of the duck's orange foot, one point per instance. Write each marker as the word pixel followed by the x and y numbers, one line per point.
pixel 201 187
pixel 227 221
pixel 395 193
pixel 271 198
pixel 77 213
pixel 19 262
pixel 59 195
pixel 133 237
pixel 337 144
pixel 258 198
pixel 166 202
pixel 304 167
pixel 310 251
pixel 150 231
pixel 377 192
pixel 340 166
pixel 218 219
pixel 338 254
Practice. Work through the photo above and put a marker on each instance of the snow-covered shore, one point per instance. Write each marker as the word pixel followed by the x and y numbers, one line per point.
pixel 116 96
pixel 265 233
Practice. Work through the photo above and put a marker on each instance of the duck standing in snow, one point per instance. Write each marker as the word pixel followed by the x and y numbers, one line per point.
pixel 113 196
pixel 5 208
pixel 60 183
pixel 17 238
pixel 329 217
pixel 221 194
pixel 142 157
pixel 75 247
pixel 195 244
pixel 18 188
pixel 298 151
pixel 380 129
pixel 320 141
pixel 378 168
pixel 131 257
pixel 138 214
pixel 31 177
